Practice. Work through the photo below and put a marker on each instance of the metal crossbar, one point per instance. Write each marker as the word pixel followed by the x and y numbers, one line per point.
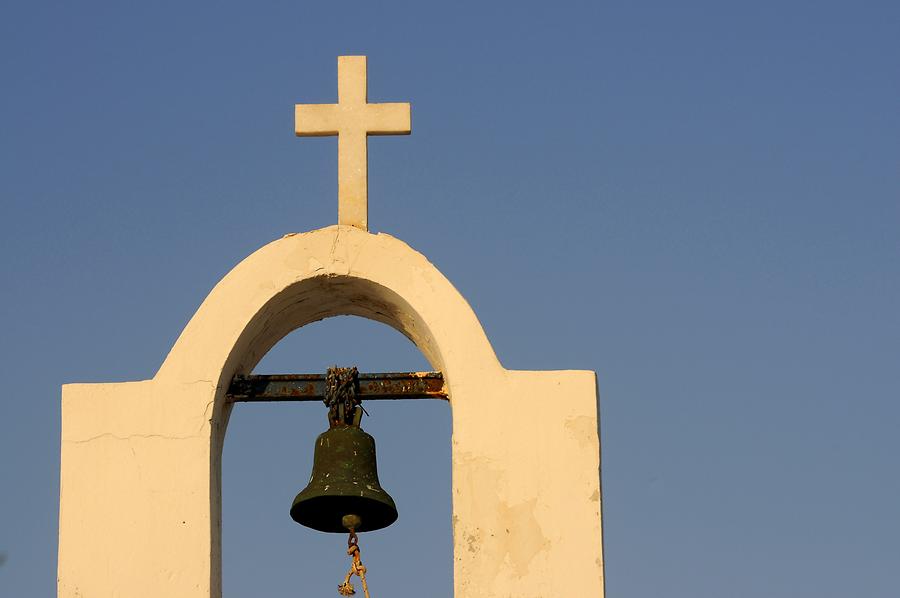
pixel 311 387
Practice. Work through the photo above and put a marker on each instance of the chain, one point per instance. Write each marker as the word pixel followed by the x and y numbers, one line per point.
pixel 356 568
pixel 342 395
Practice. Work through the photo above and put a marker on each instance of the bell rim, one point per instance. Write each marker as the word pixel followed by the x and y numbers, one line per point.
pixel 303 511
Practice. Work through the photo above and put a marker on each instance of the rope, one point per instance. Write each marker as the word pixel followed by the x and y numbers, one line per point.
pixel 356 568
pixel 342 395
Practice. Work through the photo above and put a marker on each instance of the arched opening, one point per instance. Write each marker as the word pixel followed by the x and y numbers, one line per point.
pixel 267 458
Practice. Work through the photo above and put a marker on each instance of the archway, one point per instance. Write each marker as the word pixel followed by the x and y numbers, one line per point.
pixel 309 277
pixel 526 492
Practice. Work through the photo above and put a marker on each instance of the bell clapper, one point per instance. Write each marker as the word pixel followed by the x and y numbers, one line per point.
pixel 351 522
pixel 356 567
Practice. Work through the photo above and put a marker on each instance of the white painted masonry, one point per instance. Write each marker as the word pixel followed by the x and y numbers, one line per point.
pixel 140 474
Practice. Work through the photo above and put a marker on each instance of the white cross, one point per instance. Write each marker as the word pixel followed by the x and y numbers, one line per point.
pixel 352 119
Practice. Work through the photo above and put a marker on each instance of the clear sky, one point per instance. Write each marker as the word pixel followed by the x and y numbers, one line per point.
pixel 719 181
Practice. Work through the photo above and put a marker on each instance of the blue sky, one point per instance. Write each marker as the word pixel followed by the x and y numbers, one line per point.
pixel 720 184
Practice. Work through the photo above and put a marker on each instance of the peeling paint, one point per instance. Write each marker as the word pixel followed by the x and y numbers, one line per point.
pixel 514 535
pixel 525 536
pixel 583 429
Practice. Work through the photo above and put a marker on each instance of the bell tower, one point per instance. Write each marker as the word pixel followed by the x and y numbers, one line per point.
pixel 140 492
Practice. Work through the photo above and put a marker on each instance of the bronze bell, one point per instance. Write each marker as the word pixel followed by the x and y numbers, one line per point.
pixel 343 491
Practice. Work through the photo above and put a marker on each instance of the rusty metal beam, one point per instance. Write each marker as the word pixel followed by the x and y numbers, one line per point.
pixel 311 387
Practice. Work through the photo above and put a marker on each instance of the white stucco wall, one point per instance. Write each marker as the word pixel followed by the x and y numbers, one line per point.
pixel 140 466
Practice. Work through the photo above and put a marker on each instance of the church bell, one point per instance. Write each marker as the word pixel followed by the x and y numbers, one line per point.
pixel 343 492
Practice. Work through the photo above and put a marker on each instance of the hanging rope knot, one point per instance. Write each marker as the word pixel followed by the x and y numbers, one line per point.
pixel 342 394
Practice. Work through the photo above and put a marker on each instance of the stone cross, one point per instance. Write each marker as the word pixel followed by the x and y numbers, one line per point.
pixel 352 119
